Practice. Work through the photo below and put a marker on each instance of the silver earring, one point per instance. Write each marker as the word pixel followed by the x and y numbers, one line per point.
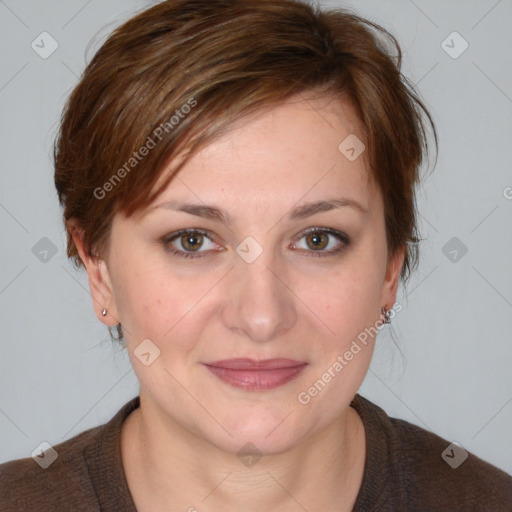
pixel 387 315
pixel 104 312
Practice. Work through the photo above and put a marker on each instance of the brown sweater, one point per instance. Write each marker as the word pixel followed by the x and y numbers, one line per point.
pixel 404 471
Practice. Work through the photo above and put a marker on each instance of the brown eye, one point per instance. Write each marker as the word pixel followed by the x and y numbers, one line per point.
pixel 322 242
pixel 192 241
pixel 189 243
pixel 317 241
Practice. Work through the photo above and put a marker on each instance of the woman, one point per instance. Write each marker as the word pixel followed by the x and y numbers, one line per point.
pixel 238 181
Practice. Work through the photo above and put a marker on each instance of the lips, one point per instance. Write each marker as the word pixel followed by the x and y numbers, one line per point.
pixel 254 375
pixel 251 364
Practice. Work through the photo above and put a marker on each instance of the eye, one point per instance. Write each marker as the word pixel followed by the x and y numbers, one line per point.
pixel 196 243
pixel 188 243
pixel 322 241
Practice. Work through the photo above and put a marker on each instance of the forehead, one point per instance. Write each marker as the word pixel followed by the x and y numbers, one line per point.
pixel 283 154
pixel 302 126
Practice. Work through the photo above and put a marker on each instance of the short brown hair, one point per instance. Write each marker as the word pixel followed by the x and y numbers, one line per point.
pixel 182 72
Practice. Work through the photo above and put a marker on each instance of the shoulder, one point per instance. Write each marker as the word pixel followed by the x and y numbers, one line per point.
pixel 444 474
pixel 415 469
pixel 26 484
pixel 84 473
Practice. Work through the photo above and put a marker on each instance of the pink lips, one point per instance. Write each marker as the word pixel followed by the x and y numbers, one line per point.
pixel 254 375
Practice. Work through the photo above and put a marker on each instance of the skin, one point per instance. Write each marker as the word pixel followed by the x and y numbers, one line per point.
pixel 180 447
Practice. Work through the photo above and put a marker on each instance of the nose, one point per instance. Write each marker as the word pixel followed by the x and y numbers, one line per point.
pixel 260 305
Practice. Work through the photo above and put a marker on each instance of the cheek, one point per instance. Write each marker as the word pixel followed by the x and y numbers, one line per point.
pixel 351 286
pixel 348 301
pixel 159 304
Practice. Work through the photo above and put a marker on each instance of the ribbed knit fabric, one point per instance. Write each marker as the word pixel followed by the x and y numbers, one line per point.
pixel 404 471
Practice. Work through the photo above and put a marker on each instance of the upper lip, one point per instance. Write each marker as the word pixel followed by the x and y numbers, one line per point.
pixel 251 364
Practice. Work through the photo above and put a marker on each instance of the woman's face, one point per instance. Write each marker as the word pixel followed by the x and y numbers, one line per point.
pixel 281 279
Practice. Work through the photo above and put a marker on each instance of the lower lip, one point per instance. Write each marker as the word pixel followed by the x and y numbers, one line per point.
pixel 256 379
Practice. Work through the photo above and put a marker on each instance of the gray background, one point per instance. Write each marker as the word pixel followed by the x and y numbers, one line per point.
pixel 59 374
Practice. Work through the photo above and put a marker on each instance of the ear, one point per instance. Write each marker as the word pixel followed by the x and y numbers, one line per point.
pixel 390 285
pixel 99 280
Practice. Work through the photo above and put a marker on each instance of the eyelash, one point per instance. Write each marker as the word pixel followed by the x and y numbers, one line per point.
pixel 340 236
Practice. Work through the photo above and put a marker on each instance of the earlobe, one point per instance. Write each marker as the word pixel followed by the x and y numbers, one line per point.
pixel 99 281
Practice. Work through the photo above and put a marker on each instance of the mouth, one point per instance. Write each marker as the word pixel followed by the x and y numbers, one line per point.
pixel 254 375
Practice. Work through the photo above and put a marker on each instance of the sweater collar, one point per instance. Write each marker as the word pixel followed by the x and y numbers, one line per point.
pixel 104 462
pixel 105 465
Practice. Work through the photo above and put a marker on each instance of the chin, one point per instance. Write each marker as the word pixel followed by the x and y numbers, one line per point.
pixel 257 445
pixel 266 432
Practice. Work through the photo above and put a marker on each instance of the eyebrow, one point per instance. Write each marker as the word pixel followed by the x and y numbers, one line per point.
pixel 299 212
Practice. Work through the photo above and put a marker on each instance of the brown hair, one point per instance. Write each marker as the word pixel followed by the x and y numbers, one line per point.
pixel 181 73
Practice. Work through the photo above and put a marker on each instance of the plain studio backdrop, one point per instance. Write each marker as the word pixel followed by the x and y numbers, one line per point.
pixel 60 375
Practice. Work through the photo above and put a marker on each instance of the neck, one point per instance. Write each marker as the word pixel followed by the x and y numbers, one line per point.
pixel 168 467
